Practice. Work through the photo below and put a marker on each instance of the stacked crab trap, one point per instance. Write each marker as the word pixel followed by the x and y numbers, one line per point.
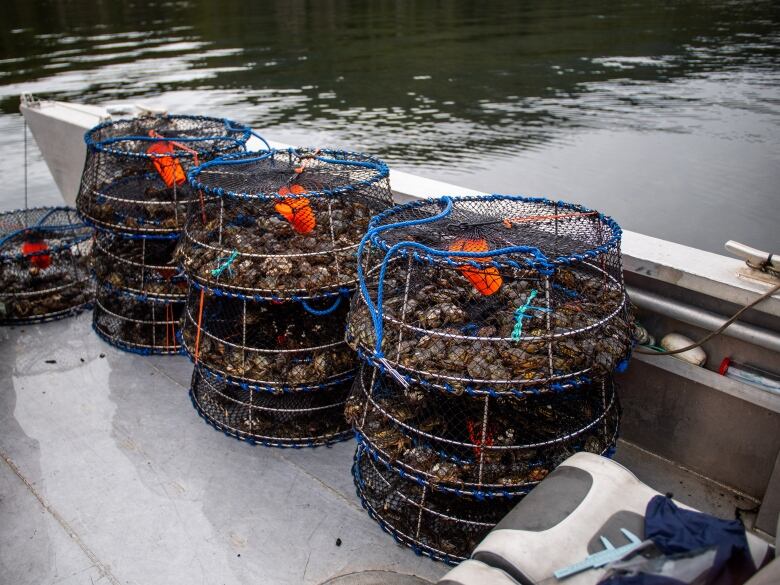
pixel 269 251
pixel 134 190
pixel 44 265
pixel 489 328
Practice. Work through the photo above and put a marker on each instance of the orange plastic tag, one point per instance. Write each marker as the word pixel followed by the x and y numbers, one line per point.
pixel 486 280
pixel 296 210
pixel 168 167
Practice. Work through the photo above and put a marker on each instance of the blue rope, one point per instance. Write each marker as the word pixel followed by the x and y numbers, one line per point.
pixel 263 140
pixel 429 255
pixel 321 312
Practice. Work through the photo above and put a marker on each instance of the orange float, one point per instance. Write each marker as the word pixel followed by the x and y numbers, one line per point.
pixel 168 167
pixel 34 250
pixel 296 210
pixel 486 280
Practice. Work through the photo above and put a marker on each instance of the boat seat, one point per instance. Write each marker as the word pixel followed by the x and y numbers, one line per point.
pixel 559 523
pixel 472 572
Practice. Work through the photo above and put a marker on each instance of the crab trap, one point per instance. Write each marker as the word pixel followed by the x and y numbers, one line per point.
pixel 142 266
pixel 283 224
pixel 136 323
pixel 487 447
pixel 298 419
pixel 492 295
pixel 44 265
pixel 135 175
pixel 278 347
pixel 436 524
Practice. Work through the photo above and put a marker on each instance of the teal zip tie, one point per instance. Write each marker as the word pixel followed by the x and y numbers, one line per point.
pixel 226 262
pixel 520 314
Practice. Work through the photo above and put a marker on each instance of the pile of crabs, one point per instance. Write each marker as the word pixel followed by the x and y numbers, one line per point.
pixel 489 330
pixel 269 254
pixel 44 265
pixel 135 192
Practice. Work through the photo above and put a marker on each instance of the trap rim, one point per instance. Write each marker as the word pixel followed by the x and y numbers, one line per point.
pixel 48 317
pixel 78 238
pixel 508 257
pixel 369 162
pixel 110 290
pixel 534 386
pixel 609 395
pixel 298 443
pixel 130 347
pixel 234 131
pixel 127 233
pixel 471 489
pixel 218 376
pixel 271 296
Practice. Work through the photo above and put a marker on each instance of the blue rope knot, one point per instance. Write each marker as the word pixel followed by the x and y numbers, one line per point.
pixel 225 261
pixel 522 313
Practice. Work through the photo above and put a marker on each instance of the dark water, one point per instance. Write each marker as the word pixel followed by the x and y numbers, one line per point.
pixel 665 115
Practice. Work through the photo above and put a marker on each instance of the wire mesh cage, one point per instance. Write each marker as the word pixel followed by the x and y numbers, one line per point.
pixel 284 224
pixel 142 266
pixel 484 447
pixel 436 524
pixel 139 324
pixel 282 346
pixel 492 295
pixel 44 265
pixel 135 175
pixel 299 419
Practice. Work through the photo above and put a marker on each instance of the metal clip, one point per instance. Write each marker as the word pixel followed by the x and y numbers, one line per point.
pixel 394 373
pixel 608 555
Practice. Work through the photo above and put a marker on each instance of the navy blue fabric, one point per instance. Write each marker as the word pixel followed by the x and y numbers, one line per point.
pixel 674 530
pixel 678 532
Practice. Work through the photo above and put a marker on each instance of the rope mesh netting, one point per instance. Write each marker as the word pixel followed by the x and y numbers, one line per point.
pixel 135 175
pixel 285 224
pixel 270 249
pixel 44 265
pixel 490 327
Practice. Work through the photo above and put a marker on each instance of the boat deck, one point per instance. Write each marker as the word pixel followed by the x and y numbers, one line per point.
pixel 108 475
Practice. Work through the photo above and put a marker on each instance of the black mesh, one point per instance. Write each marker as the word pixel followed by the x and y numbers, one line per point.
pixel 286 225
pixel 145 326
pixel 274 345
pixel 44 265
pixel 488 445
pixel 301 419
pixel 142 266
pixel 558 230
pixel 134 178
pixel 440 525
